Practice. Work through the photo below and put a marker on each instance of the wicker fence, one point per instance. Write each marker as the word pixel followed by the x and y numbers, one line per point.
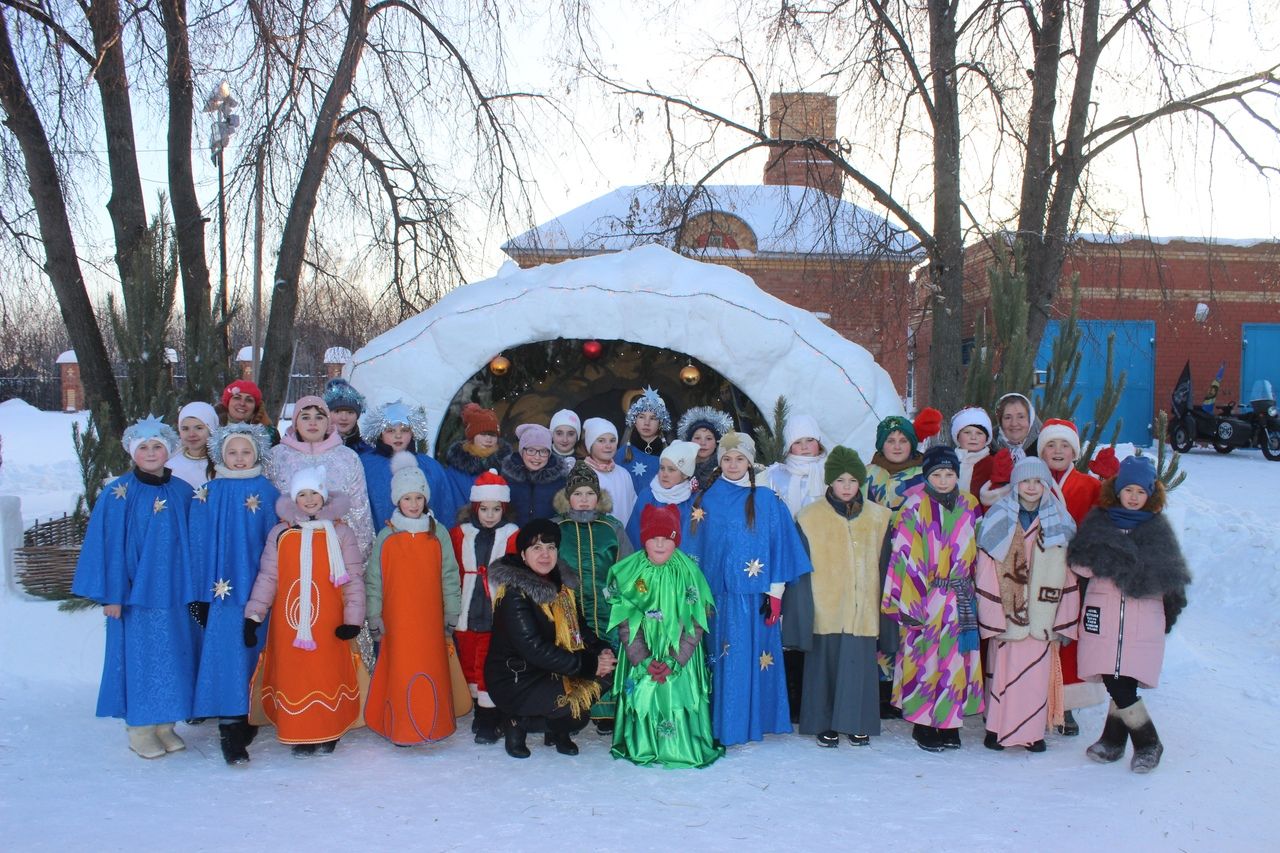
pixel 46 563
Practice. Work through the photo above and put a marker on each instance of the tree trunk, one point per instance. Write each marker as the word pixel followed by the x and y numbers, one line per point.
pixel 61 264
pixel 126 206
pixel 188 216
pixel 946 377
pixel 278 343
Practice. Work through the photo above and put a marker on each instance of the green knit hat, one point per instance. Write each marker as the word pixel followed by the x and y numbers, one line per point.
pixel 895 423
pixel 582 475
pixel 842 460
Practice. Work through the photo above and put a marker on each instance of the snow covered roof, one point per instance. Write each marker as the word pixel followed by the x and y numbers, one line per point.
pixel 171 355
pixel 337 355
pixel 648 295
pixel 1114 239
pixel 68 357
pixel 785 220
pixel 246 354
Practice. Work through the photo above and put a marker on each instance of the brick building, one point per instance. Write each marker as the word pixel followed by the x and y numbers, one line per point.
pixel 792 234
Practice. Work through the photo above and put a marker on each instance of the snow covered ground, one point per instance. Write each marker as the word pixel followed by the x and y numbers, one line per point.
pixel 68 781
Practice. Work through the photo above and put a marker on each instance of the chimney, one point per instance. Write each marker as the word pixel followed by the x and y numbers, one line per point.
pixel 802 115
pixel 72 386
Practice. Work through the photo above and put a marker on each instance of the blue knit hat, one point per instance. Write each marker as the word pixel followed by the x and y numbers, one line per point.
pixel 940 456
pixel 1136 471
pixel 341 394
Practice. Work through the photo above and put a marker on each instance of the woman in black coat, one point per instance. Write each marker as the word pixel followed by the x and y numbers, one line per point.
pixel 545 667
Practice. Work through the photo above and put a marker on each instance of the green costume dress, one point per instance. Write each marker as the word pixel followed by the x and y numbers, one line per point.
pixel 591 542
pixel 660 612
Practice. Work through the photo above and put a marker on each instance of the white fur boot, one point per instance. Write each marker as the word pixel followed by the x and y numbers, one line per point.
pixel 169 738
pixel 143 740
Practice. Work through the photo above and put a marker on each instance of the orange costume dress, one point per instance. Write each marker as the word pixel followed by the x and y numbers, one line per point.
pixel 412 590
pixel 308 677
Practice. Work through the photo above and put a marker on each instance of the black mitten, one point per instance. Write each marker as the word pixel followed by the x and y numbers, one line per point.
pixel 199 611
pixel 250 633
pixel 346 632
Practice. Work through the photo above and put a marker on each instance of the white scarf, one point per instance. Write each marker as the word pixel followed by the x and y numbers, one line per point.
pixel 807 475
pixel 677 494
pixel 337 576
pixel 742 482
pixel 969 458
pixel 421 524
pixel 225 473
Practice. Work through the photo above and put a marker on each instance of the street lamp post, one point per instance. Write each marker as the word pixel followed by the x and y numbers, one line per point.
pixel 225 122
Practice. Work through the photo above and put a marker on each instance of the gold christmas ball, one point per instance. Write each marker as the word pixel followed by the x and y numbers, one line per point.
pixel 690 375
pixel 499 366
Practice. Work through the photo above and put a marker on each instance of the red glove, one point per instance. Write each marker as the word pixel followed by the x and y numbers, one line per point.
pixel 927 423
pixel 658 671
pixel 1002 468
pixel 1105 464
pixel 775 611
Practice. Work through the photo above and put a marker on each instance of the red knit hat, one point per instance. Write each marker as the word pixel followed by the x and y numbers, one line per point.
pixel 241 386
pixel 479 420
pixel 1059 428
pixel 660 520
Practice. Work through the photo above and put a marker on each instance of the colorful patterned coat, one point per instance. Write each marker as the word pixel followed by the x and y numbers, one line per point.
pixel 930 570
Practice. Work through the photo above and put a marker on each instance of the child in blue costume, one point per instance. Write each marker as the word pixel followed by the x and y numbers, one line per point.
pixel 671 485
pixel 230 520
pixel 644 437
pixel 748 548
pixel 392 427
pixel 134 562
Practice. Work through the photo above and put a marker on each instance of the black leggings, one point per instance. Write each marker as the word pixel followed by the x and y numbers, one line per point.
pixel 1123 689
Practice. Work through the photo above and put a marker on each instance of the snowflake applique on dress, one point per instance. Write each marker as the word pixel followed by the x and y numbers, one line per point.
pixel 638 469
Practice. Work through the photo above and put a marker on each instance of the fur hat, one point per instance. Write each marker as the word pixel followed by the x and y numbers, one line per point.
pixel 738 441
pixel 593 428
pixel 703 416
pixel 1136 471
pixel 892 424
pixel 683 455
pixel 395 413
pixel 566 417
pixel 477 420
pixel 660 520
pixel 537 530
pixel 533 436
pixel 1058 428
pixel 309 479
pixel 202 412
pixel 255 434
pixel 940 456
pixel 241 386
pixel 649 401
pixel 407 478
pixel 341 394
pixel 843 460
pixel 970 416
pixel 798 427
pixel 581 475
pixel 147 429
pixel 490 486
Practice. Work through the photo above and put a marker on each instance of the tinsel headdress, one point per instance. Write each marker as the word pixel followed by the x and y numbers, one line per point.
pixel 256 433
pixel 703 416
pixel 146 429
pixel 650 401
pixel 394 413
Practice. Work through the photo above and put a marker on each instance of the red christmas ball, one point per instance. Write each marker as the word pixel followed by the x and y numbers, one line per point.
pixel 592 349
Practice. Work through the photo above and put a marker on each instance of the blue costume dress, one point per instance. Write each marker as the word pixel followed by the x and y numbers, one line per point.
pixel 135 554
pixel 749 685
pixel 642 466
pixel 230 521
pixel 444 501
pixel 644 498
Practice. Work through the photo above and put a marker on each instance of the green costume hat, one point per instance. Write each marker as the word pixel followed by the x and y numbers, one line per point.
pixel 582 475
pixel 842 460
pixel 895 423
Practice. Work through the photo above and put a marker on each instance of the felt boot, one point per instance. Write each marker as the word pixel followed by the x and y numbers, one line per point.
pixel 926 737
pixel 1110 747
pixel 486 724
pixel 949 738
pixel 143 740
pixel 328 746
pixel 304 750
pixel 558 735
pixel 1147 748
pixel 231 737
pixel 515 738
pixel 169 738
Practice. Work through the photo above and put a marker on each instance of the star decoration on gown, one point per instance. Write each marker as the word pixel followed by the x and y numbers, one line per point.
pixel 753 568
pixel 638 469
pixel 201 494
pixel 766 661
pixel 698 514
pixel 222 588
pixel 252 503
pixel 119 490
pixel 159 505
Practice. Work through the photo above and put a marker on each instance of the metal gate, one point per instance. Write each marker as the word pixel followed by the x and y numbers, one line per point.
pixel 1259 356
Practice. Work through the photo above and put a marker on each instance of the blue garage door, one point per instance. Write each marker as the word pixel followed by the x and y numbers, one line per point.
pixel 1260 356
pixel 1134 353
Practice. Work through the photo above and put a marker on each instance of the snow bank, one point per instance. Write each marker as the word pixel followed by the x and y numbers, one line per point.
pixel 40 464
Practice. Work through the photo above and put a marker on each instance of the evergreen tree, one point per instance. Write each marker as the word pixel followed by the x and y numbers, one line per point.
pixel 769 447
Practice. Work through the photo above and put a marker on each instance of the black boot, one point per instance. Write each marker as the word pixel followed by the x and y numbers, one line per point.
pixel 1147 748
pixel 949 738
pixel 991 741
pixel 516 732
pixel 486 724
pixel 304 750
pixel 604 725
pixel 231 738
pixel 926 737
pixel 328 746
pixel 1069 727
pixel 1110 747
pixel 887 709
pixel 829 739
pixel 558 735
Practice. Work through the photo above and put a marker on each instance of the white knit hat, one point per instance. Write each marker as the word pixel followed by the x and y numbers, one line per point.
pixel 202 412
pixel 407 478
pixel 967 417
pixel 309 478
pixel 593 428
pixel 566 417
pixel 798 427
pixel 683 455
pixel 740 442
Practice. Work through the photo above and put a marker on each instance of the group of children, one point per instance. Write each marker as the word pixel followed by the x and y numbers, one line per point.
pixel 659 585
